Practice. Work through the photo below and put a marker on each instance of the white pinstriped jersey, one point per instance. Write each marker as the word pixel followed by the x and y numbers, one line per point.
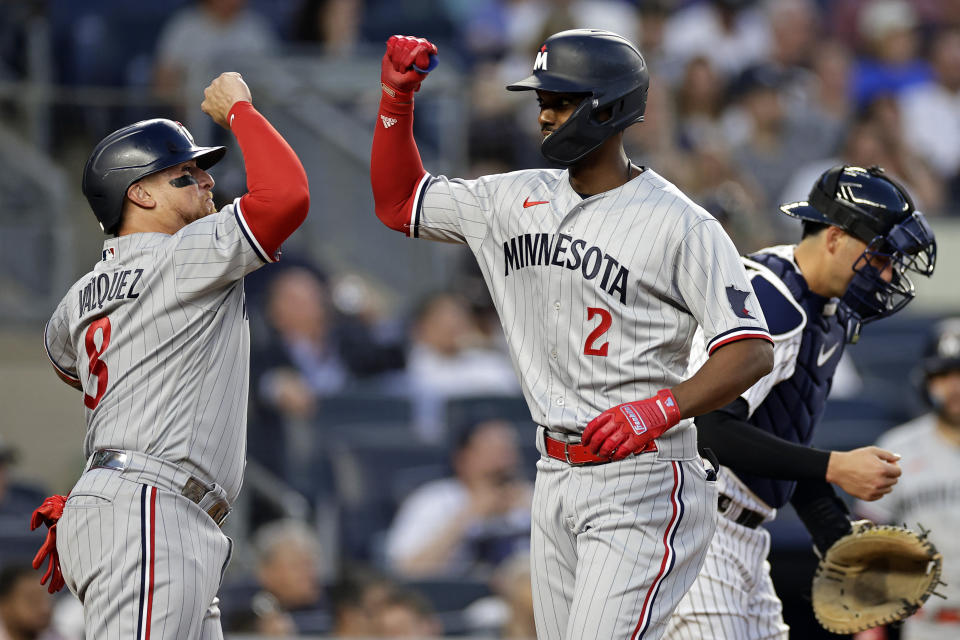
pixel 600 296
pixel 157 334
pixel 785 345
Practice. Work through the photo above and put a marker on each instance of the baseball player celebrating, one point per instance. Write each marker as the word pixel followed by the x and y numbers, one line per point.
pixel 157 339
pixel 600 273
pixel 861 238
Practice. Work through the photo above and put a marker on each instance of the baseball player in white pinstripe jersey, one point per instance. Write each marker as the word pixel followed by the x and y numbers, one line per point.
pixel 861 237
pixel 600 274
pixel 157 339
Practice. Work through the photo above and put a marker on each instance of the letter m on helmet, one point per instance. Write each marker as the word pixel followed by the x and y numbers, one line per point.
pixel 541 61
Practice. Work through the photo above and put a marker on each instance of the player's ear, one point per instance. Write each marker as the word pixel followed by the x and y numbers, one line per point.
pixel 833 238
pixel 139 194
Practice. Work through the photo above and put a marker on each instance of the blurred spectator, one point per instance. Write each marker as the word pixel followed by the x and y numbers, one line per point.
pixel 288 573
pixel 868 143
pixel 263 618
pixel 734 34
pixel 407 614
pixel 17 500
pixel 204 33
pixel 508 613
pixel 928 493
pixel 288 564
pixel 931 111
pixel 468 523
pixel 887 30
pixel 828 93
pixel 333 24
pixel 307 352
pixel 924 185
pixel 25 607
pixel 448 359
pixel 356 598
pixel 768 140
pixel 699 104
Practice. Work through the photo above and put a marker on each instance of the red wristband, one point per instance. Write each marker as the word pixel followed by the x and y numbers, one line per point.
pixel 669 405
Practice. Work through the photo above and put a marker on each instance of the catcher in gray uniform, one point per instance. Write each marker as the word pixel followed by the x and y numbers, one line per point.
pixel 600 273
pixel 156 338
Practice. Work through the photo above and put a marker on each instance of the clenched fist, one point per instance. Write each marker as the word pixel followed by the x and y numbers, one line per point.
pixel 219 97
pixel 405 64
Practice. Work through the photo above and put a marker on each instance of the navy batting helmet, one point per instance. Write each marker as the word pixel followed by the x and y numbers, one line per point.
pixel 605 67
pixel 943 349
pixel 873 208
pixel 132 153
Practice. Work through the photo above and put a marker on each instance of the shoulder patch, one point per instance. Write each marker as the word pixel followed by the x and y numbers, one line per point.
pixel 783 313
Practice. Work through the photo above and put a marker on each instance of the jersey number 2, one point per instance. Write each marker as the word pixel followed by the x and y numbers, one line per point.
pixel 605 321
pixel 98 367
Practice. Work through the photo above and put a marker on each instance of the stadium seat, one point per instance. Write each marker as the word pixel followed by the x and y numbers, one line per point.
pixel 349 408
pixel 462 410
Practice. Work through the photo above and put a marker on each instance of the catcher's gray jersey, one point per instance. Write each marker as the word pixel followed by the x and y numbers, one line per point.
pixel 140 332
pixel 599 297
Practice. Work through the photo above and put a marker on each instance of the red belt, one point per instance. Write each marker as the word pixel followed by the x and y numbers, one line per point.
pixel 577 453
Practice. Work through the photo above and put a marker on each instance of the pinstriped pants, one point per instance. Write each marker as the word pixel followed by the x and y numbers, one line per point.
pixel 615 546
pixel 145 562
pixel 733 597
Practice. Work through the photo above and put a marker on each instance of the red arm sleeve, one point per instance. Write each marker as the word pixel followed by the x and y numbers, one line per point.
pixel 395 166
pixel 278 195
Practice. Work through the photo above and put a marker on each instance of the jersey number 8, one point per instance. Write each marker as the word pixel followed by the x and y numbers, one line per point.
pixel 98 367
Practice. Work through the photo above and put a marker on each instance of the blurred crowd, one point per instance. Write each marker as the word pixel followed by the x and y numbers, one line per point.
pixel 749 101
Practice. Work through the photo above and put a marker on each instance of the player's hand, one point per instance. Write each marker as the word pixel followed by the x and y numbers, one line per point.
pixel 226 90
pixel 867 473
pixel 49 514
pixel 405 64
pixel 628 428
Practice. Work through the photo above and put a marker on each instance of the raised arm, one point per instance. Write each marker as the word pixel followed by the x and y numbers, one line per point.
pixel 278 194
pixel 396 171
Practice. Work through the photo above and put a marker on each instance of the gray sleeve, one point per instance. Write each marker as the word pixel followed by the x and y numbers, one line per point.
pixel 215 252
pixel 452 210
pixel 56 340
pixel 713 284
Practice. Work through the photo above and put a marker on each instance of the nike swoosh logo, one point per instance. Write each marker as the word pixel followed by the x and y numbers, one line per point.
pixel 825 355
pixel 528 203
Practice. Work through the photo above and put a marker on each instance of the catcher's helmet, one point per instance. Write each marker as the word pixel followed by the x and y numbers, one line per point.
pixel 873 208
pixel 604 66
pixel 132 153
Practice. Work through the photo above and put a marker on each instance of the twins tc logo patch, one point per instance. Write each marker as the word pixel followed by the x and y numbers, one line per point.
pixel 636 422
pixel 738 302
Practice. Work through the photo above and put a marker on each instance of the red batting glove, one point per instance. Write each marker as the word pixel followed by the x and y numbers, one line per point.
pixel 398 78
pixel 49 514
pixel 628 428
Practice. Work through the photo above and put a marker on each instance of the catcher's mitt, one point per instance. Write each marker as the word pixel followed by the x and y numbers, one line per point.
pixel 873 576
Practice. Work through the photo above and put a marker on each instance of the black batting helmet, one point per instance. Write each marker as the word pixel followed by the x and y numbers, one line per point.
pixel 942 353
pixel 873 208
pixel 132 153
pixel 604 66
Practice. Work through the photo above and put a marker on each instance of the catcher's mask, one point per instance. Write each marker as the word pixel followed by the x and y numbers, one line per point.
pixel 611 74
pixel 132 153
pixel 873 208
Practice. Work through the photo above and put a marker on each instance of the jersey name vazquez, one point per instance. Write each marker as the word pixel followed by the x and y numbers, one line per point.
pixel 103 288
pixel 544 249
